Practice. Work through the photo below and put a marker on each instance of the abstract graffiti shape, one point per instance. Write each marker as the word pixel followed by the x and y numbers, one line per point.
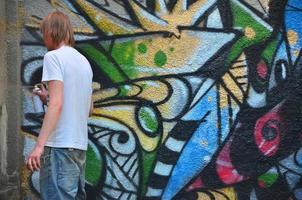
pixel 180 83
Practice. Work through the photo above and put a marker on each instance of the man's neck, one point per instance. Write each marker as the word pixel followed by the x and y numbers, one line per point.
pixel 60 45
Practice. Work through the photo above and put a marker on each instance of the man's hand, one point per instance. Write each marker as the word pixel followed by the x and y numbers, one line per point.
pixel 33 160
pixel 49 122
pixel 42 92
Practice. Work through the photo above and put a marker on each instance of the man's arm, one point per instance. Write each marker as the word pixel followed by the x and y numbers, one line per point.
pixel 55 91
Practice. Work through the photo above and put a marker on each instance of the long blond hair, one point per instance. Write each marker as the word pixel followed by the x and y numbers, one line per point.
pixel 59 28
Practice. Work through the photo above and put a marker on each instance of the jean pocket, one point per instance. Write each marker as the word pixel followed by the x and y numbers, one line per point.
pixel 67 164
pixel 68 177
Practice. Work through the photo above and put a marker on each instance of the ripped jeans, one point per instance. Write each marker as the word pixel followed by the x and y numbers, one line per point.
pixel 62 174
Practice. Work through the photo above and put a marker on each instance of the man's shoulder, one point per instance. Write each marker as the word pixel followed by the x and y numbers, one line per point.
pixel 52 53
pixel 49 56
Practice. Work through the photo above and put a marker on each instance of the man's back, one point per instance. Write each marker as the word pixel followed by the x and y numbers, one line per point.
pixel 67 65
pixel 63 136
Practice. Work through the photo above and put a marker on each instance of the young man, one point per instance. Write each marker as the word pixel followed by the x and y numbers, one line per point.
pixel 60 151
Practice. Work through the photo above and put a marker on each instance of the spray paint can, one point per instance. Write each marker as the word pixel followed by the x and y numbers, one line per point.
pixel 37 103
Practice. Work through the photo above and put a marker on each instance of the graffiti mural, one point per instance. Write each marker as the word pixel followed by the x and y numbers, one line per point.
pixel 194 99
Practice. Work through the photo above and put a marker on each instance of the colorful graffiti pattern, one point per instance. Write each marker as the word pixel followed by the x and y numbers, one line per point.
pixel 194 99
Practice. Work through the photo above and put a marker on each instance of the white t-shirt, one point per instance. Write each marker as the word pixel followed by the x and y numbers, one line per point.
pixel 66 64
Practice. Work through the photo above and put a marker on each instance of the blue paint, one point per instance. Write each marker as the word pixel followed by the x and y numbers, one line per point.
pixel 225 125
pixel 199 149
pixel 281 52
pixel 295 3
pixel 293 22
pixel 202 107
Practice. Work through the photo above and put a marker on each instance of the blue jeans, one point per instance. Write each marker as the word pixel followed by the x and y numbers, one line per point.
pixel 62 174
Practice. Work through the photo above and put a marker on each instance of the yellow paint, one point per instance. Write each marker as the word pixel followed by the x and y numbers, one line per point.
pixel 169 22
pixel 111 25
pixel 235 71
pixel 186 18
pixel 25 180
pixel 104 94
pixel 180 6
pixel 183 48
pixel 160 7
pixel 165 110
pixel 202 24
pixel 265 4
pixel 76 30
pixel 229 192
pixel 292 37
pixel 35 23
pixel 296 53
pixel 96 86
pixel 249 32
pixel 25 134
pixel 175 20
pixel 133 90
pixel 83 28
pixel 154 91
pixel 167 127
pixel 105 22
pixel 126 114
pixel 233 87
pixel 223 97
pixel 202 196
pixel 54 2
pixel 241 61
pixel 146 22
pixel 242 71
pixel 239 68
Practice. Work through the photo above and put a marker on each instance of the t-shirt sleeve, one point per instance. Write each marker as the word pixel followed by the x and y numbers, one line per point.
pixel 51 69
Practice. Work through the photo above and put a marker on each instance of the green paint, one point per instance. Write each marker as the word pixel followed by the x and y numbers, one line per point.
pixel 102 61
pixel 243 19
pixel 142 48
pixel 144 86
pixel 93 167
pixel 123 53
pixel 171 49
pixel 268 179
pixel 106 45
pixel 148 160
pixel 160 58
pixel 124 90
pixel 148 119
pixel 269 51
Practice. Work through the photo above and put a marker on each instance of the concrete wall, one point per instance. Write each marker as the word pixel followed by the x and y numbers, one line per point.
pixel 11 159
pixel 193 99
pixel 3 91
